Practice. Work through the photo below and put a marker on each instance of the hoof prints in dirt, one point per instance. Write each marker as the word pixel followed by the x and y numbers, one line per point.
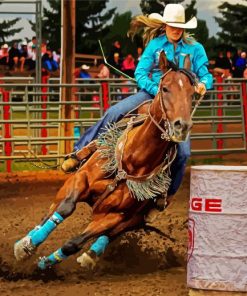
pixel 136 252
pixel 7 273
pixel 140 252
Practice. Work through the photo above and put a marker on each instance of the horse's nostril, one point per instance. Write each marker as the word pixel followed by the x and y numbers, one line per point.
pixel 178 124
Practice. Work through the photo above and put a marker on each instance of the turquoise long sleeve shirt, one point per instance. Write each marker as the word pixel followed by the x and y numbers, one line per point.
pixel 148 74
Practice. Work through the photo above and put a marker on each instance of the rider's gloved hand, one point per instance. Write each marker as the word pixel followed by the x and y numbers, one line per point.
pixel 200 88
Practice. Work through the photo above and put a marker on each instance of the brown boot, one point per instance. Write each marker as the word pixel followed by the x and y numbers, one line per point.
pixel 70 165
pixel 72 161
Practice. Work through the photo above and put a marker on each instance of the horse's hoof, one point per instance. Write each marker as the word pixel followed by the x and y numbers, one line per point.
pixel 24 248
pixel 86 261
pixel 44 263
pixel 151 216
pixel 70 165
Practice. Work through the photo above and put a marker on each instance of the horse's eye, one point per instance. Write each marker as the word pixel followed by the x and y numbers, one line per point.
pixel 165 89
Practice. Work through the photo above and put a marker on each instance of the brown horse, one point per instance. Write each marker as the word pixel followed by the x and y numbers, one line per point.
pixel 127 171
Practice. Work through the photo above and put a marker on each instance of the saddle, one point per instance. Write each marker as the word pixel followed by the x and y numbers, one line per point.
pixel 75 159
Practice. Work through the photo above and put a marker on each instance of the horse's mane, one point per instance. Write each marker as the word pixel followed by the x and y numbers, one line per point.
pixel 187 72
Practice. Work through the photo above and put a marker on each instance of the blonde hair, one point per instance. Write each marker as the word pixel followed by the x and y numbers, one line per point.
pixel 152 28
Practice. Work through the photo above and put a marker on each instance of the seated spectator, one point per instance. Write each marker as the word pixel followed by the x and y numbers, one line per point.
pixel 57 55
pixel 4 55
pixel 104 72
pixel 245 73
pixel 31 49
pixel 223 65
pixel 229 63
pixel 139 54
pixel 240 65
pixel 43 47
pixel 14 57
pixel 48 63
pixel 84 72
pixel 116 64
pixel 116 48
pixel 23 55
pixel 128 66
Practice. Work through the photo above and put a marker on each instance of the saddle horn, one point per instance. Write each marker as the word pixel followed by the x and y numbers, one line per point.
pixel 163 62
pixel 187 62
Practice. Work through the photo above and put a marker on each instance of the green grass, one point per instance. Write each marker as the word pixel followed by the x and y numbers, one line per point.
pixel 228 112
pixel 18 115
pixel 206 161
pixel 18 166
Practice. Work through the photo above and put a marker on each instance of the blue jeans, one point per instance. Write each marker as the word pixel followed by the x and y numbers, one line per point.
pixel 115 113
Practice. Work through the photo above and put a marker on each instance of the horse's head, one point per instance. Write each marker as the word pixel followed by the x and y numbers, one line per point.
pixel 175 95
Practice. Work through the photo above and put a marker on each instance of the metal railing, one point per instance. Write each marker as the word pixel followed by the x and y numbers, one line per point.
pixel 220 119
pixel 31 115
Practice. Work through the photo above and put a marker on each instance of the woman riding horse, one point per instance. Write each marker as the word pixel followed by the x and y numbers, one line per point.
pixel 161 33
pixel 166 33
pixel 133 168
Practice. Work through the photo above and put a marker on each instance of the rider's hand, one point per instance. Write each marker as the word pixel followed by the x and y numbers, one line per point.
pixel 200 88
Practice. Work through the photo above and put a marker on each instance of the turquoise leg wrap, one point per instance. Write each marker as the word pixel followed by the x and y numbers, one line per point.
pixel 42 233
pixel 100 245
pixel 52 259
pixel 31 233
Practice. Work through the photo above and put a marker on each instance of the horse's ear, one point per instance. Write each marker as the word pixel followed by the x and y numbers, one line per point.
pixel 163 62
pixel 187 62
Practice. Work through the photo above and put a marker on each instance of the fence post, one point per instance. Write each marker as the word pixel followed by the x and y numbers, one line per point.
pixel 105 95
pixel 44 112
pixel 244 94
pixel 7 132
pixel 219 79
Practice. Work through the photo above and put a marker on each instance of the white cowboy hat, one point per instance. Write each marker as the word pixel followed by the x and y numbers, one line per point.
pixel 85 67
pixel 5 46
pixel 174 16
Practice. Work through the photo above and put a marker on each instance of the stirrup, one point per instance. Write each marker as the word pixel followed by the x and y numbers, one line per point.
pixel 71 155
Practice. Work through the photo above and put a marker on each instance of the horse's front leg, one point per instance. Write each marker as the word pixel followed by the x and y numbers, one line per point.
pixel 95 228
pixel 62 207
pixel 89 258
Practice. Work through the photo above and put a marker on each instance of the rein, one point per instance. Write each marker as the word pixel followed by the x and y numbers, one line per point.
pixel 37 159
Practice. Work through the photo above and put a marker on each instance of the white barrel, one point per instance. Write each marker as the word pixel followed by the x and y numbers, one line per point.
pixel 217 252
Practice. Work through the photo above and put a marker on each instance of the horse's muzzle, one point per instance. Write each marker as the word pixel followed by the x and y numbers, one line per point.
pixel 180 129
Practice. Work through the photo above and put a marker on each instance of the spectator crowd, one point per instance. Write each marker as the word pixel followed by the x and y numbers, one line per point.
pixel 19 57
pixel 229 65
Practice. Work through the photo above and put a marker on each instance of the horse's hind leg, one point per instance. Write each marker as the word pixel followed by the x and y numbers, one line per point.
pixel 63 206
pixel 74 245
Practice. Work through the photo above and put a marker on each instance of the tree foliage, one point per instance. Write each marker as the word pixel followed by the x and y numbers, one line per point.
pixel 6 29
pixel 150 6
pixel 118 31
pixel 51 24
pixel 201 33
pixel 233 24
pixel 91 23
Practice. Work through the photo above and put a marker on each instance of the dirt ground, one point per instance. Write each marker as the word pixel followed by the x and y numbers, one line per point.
pixel 139 263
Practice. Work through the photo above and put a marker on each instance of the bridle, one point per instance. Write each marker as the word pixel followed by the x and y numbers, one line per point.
pixel 166 130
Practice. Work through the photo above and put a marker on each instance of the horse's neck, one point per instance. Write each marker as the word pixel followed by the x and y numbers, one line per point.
pixel 150 133
pixel 145 149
